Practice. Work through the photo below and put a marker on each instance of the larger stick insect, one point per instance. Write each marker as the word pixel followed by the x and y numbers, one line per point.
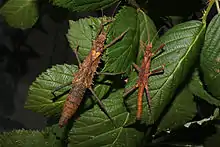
pixel 144 73
pixel 84 77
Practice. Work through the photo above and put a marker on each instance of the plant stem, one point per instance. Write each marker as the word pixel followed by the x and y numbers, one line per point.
pixel 204 17
pixel 217 6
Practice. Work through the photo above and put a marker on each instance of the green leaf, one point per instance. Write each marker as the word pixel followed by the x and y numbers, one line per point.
pixel 20 13
pixel 197 88
pixel 41 100
pixel 210 57
pixel 81 33
pixel 83 5
pixel 53 132
pixel 182 44
pixel 94 128
pixel 26 138
pixel 120 56
pixel 182 110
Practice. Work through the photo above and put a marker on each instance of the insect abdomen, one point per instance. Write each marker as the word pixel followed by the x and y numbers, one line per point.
pixel 72 103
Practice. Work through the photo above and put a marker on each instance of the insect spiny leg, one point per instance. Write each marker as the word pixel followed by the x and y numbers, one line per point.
pixel 102 106
pixel 77 55
pixel 156 71
pixel 108 73
pixel 130 90
pixel 161 46
pixel 116 39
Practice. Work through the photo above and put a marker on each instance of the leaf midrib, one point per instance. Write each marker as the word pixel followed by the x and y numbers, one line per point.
pixel 181 60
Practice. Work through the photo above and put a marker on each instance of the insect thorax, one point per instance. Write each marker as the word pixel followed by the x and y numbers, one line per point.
pixel 98 44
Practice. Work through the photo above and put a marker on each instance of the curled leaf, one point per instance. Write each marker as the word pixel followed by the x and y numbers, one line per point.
pixel 197 88
pixel 210 57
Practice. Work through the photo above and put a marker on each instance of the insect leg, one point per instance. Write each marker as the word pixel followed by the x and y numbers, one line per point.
pixel 156 71
pixel 116 39
pixel 108 73
pixel 130 90
pixel 60 87
pixel 136 67
pixel 161 46
pixel 100 104
pixel 77 56
pixel 148 97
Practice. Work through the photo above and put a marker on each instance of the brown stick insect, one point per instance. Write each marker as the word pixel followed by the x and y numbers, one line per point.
pixel 83 78
pixel 143 77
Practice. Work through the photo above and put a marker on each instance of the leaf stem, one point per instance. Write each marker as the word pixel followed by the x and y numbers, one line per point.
pixel 217 6
pixel 204 17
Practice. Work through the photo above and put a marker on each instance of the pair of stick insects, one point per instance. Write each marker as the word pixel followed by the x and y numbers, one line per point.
pixel 83 78
pixel 144 73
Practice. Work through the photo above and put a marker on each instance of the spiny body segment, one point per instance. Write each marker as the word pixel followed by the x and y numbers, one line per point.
pixel 82 79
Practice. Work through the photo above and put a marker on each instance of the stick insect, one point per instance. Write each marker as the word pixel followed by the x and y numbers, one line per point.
pixel 84 77
pixel 144 73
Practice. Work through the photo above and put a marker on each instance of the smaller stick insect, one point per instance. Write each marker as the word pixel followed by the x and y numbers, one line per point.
pixel 84 77
pixel 144 73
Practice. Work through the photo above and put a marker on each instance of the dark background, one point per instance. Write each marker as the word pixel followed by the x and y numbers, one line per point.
pixel 25 54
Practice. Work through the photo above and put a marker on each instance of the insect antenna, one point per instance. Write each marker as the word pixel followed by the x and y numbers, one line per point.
pixel 155 35
pixel 143 45
pixel 116 8
pixel 112 16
